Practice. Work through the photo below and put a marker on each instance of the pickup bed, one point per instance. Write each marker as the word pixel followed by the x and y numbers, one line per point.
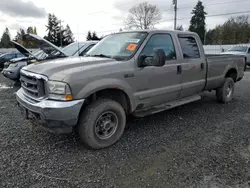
pixel 128 73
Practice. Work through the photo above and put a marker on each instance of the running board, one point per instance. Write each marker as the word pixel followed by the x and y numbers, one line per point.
pixel 166 106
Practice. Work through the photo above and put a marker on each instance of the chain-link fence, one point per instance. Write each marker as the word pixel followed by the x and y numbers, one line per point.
pixel 217 49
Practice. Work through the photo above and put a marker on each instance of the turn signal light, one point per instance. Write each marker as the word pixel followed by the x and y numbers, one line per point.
pixel 68 97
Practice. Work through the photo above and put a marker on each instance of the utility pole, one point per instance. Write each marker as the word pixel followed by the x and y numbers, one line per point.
pixel 175 13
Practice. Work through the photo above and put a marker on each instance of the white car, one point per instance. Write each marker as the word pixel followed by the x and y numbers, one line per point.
pixel 240 50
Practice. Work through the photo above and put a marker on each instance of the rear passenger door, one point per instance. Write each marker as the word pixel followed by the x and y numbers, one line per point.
pixel 193 74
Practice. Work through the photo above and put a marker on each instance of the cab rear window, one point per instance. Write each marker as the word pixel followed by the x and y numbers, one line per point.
pixel 189 47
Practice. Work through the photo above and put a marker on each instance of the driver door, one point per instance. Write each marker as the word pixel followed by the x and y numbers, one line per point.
pixel 157 85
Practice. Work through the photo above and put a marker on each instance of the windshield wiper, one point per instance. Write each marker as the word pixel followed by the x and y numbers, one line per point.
pixel 101 55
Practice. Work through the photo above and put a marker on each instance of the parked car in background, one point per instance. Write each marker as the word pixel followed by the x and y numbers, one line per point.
pixel 79 48
pixel 240 50
pixel 8 56
pixel 13 67
pixel 135 73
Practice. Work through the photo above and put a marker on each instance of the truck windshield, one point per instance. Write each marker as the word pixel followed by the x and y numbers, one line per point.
pixel 238 48
pixel 72 48
pixel 120 46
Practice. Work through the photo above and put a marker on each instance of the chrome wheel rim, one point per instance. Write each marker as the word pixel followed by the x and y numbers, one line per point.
pixel 106 125
pixel 229 90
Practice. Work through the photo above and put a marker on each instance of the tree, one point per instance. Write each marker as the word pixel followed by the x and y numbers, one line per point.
pixel 68 36
pixel 19 36
pixel 56 32
pixel 234 31
pixel 54 29
pixel 5 39
pixel 21 40
pixel 143 16
pixel 32 30
pixel 179 27
pixel 92 36
pixel 89 36
pixel 197 22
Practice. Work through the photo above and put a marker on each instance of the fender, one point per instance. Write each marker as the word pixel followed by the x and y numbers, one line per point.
pixel 230 66
pixel 109 83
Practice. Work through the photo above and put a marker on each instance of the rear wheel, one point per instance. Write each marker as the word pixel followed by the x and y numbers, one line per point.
pixel 224 94
pixel 102 123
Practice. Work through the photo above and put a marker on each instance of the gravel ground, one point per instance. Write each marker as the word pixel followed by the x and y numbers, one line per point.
pixel 202 144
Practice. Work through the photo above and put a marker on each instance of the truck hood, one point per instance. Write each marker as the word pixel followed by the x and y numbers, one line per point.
pixel 22 50
pixel 234 53
pixel 43 44
pixel 58 69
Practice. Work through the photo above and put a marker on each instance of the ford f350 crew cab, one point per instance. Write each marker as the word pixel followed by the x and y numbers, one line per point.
pixel 128 73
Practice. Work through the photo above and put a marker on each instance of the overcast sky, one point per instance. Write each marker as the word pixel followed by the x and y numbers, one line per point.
pixel 104 16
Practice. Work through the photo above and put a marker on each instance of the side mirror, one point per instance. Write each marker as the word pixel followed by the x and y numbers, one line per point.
pixel 158 59
pixel 141 61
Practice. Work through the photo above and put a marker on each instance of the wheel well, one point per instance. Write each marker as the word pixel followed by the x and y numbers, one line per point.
pixel 115 94
pixel 232 73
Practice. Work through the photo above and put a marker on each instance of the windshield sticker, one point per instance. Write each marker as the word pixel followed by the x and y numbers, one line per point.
pixel 133 41
pixel 131 47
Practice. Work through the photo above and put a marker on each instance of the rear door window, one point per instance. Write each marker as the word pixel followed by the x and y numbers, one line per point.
pixel 189 47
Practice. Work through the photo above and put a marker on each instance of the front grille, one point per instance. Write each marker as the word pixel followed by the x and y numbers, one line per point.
pixel 33 87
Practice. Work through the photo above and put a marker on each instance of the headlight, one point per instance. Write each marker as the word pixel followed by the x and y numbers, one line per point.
pixel 13 65
pixel 59 91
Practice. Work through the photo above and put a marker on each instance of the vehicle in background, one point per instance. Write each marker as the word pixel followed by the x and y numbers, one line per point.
pixel 135 73
pixel 8 56
pixel 240 50
pixel 13 67
pixel 79 48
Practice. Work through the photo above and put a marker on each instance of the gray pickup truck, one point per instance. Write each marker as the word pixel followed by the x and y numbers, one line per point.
pixel 128 73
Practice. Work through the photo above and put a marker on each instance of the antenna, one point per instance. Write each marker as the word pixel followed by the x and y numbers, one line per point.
pixel 78 39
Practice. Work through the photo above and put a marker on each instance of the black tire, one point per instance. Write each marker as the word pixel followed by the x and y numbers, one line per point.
pixel 224 94
pixel 89 129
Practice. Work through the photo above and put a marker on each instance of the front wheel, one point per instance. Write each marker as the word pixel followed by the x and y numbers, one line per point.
pixel 102 123
pixel 224 94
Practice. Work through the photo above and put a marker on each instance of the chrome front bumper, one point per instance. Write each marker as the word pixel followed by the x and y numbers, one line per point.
pixel 55 116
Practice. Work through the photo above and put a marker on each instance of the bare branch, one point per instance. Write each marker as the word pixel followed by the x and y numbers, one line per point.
pixel 143 16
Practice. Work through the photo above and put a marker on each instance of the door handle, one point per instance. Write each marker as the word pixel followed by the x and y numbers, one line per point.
pixel 179 69
pixel 202 66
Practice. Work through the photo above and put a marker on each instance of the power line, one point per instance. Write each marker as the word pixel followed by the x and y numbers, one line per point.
pixel 212 15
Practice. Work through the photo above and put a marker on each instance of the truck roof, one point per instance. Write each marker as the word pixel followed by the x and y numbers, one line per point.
pixel 158 31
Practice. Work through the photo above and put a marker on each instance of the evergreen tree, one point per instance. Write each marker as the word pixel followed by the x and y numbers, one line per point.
pixel 89 36
pixel 19 36
pixel 68 36
pixel 179 27
pixel 5 39
pixel 94 36
pixel 35 32
pixel 53 29
pixel 197 22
